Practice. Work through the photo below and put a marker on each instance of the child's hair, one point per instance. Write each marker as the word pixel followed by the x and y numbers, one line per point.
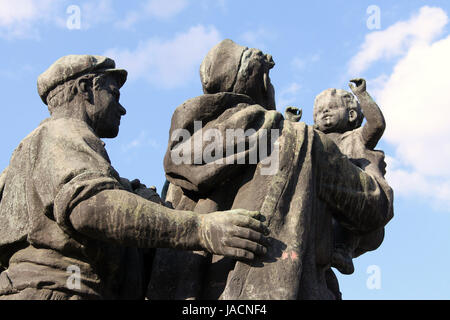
pixel 341 98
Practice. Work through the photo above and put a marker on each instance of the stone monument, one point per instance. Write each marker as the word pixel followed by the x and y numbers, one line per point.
pixel 313 185
pixel 64 208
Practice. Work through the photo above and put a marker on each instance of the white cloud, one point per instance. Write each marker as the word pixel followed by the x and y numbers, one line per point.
pixel 399 38
pixel 17 18
pixel 301 63
pixel 410 183
pixel 416 104
pixel 96 12
pixel 159 9
pixel 22 18
pixel 142 141
pixel 168 63
pixel 130 19
pixel 288 95
pixel 165 9
pixel 257 38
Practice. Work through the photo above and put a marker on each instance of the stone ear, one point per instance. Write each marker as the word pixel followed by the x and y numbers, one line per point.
pixel 352 115
pixel 82 85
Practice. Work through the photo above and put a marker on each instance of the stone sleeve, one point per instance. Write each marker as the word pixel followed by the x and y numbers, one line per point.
pixel 362 202
pixel 127 219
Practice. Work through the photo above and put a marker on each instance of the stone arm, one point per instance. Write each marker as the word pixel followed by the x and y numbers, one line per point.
pixel 85 195
pixel 127 219
pixel 375 124
pixel 362 202
pixel 130 220
pixel 374 127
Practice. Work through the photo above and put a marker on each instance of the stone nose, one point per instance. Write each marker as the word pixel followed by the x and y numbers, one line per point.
pixel 122 110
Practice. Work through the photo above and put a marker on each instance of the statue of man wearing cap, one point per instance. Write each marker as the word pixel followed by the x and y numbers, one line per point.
pixel 71 227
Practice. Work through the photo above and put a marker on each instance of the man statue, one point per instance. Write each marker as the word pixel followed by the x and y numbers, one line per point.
pixel 71 228
pixel 310 176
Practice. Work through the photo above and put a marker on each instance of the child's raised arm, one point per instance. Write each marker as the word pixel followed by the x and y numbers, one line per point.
pixel 375 124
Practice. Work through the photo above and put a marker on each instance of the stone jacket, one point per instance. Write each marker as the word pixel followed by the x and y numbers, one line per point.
pixel 58 165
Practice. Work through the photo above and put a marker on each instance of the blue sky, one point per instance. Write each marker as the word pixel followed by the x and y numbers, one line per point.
pixel 400 47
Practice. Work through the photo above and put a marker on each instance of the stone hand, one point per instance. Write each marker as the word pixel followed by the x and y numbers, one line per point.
pixel 236 233
pixel 147 193
pixel 293 114
pixel 360 86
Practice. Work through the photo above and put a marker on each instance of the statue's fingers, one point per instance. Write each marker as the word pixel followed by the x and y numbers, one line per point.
pixel 253 214
pixel 239 243
pixel 239 254
pixel 358 81
pixel 249 234
pixel 251 223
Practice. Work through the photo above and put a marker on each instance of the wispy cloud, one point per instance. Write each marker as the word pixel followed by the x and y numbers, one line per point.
pixel 300 63
pixel 257 38
pixel 164 9
pixel 396 40
pixel 18 18
pixel 142 141
pixel 23 19
pixel 157 9
pixel 415 101
pixel 96 12
pixel 168 63
pixel 288 95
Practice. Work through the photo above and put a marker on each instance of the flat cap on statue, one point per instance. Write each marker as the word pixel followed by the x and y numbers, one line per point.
pixel 73 66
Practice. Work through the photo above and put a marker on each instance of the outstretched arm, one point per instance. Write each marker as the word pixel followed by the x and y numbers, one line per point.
pixel 124 218
pixel 375 124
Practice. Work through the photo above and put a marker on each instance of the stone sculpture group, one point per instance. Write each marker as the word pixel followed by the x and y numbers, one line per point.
pixel 256 205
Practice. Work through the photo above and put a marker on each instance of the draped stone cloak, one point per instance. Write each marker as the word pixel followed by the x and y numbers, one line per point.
pixel 311 173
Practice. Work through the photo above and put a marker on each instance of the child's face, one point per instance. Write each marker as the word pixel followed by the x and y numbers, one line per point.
pixel 332 117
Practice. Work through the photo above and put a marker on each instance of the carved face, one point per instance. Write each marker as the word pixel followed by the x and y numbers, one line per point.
pixel 335 111
pixel 253 78
pixel 332 117
pixel 106 110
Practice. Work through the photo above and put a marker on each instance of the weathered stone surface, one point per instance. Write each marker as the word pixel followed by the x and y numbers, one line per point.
pixel 339 115
pixel 312 176
pixel 263 227
pixel 72 66
pixel 64 207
